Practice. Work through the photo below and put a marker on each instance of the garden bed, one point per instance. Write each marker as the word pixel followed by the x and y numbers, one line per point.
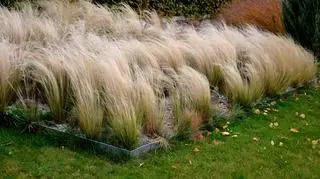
pixel 125 78
pixel 101 147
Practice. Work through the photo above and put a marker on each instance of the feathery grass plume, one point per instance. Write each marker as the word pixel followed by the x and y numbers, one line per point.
pixel 87 100
pixel 207 52
pixel 26 25
pixel 136 54
pixel 300 63
pixel 98 19
pixel 283 61
pixel 10 72
pixel 11 23
pixel 246 66
pixel 191 98
pixel 243 90
pixel 117 97
pixel 148 105
pixel 49 70
pixel 167 52
pixel 62 12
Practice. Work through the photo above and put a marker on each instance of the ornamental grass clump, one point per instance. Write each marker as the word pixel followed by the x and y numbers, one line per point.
pixel 10 72
pixel 119 77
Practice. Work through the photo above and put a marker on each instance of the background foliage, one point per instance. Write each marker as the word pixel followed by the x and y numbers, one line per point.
pixel 197 8
pixel 302 22
pixel 265 14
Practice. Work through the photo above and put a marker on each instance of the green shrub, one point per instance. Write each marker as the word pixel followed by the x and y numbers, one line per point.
pixel 302 21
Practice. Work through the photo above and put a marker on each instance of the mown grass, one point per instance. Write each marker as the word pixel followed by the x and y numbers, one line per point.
pixel 30 155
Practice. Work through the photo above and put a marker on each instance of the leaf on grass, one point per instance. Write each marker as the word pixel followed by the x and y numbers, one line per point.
pixel 271 125
pixel 234 136
pixel 297 114
pixel 256 111
pixel 225 133
pixel 294 130
pixel 141 164
pixel 280 144
pixel 216 130
pixel 272 142
pixel 190 162
pixel 255 139
pixel 215 142
pixel 196 149
pixel 225 126
pixel 265 113
pixel 314 142
pixel 302 116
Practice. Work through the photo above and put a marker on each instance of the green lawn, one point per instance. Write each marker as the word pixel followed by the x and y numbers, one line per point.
pixel 30 155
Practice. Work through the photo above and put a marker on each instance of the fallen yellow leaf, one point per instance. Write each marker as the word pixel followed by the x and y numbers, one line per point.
pixel 190 162
pixel 294 130
pixel 276 124
pixel 280 144
pixel 225 133
pixel 302 116
pixel 271 125
pixel 314 142
pixel 255 139
pixel 297 114
pixel 196 150
pixel 216 130
pixel 234 136
pixel 272 143
pixel 257 111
